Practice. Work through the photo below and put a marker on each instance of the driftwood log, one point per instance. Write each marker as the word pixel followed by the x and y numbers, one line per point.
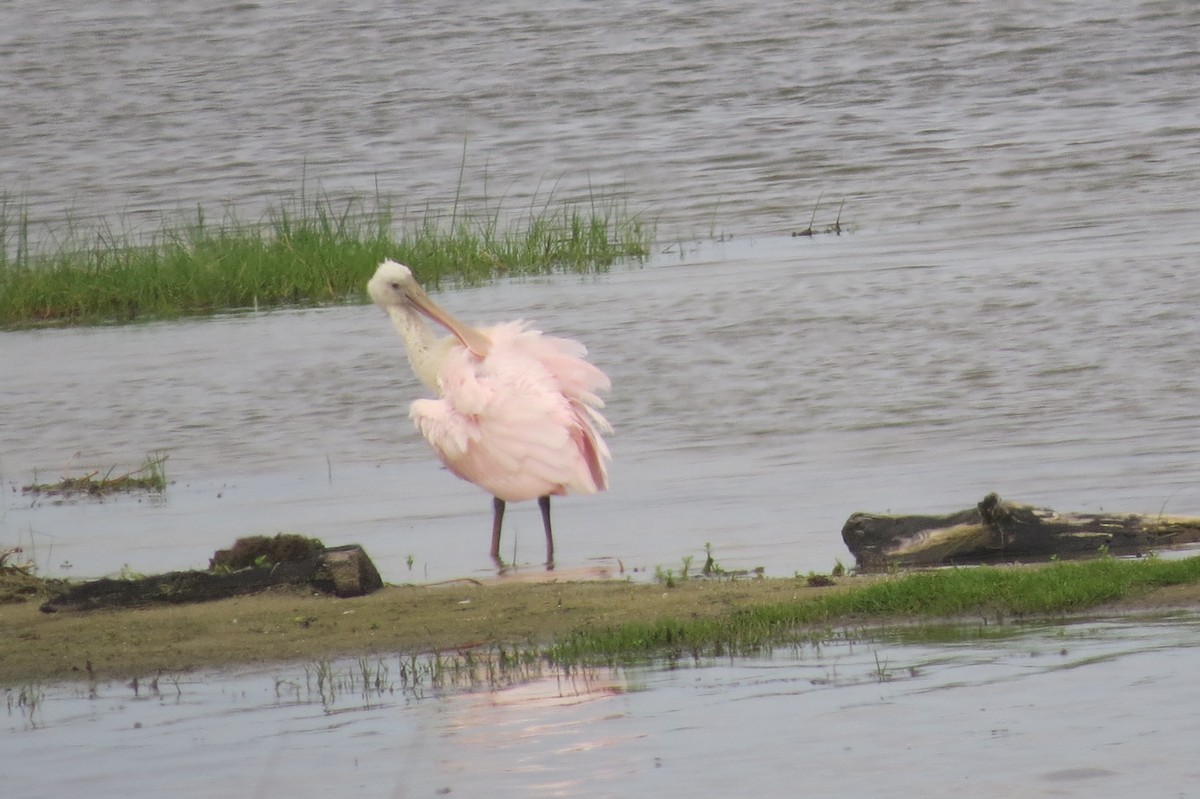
pixel 341 571
pixel 996 530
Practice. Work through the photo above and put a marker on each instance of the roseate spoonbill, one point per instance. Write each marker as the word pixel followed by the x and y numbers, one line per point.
pixel 517 411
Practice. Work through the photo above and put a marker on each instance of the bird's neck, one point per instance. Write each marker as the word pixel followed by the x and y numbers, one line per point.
pixel 424 347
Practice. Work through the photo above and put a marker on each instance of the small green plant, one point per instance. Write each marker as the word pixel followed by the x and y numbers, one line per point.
pixel 10 563
pixel 129 573
pixel 835 228
pixel 882 673
pixel 409 561
pixel 27 701
pixel 711 567
pixel 814 580
pixel 687 564
pixel 664 577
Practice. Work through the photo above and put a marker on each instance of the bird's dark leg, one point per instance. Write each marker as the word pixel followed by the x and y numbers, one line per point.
pixel 544 504
pixel 497 520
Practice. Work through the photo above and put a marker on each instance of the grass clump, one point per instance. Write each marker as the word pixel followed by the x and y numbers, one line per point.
pixel 261 550
pixel 151 476
pixel 311 250
pixel 19 581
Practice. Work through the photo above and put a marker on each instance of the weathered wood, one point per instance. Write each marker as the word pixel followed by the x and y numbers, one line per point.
pixel 995 530
pixel 345 572
pixel 342 571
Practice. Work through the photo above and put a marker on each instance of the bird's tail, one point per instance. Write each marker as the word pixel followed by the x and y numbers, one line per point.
pixel 591 444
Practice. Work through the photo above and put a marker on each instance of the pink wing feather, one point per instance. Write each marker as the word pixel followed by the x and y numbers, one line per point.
pixel 522 422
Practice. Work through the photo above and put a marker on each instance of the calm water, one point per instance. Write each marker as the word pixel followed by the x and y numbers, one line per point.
pixel 765 389
pixel 1096 709
pixel 1012 309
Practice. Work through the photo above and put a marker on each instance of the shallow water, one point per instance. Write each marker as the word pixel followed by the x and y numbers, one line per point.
pixel 1101 708
pixel 765 389
pixel 1011 309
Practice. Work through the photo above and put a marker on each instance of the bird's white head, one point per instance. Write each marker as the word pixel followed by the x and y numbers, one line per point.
pixel 393 285
pixel 395 290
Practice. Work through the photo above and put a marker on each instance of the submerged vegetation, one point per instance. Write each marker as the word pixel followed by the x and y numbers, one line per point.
pixel 567 624
pixel 310 250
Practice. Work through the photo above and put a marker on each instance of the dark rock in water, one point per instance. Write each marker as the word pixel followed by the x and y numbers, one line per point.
pixel 997 530
pixel 342 571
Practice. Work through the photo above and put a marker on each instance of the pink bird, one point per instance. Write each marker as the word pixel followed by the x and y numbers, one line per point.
pixel 517 411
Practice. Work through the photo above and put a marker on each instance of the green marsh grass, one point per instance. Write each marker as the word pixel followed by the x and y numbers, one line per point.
pixel 1058 588
pixel 312 250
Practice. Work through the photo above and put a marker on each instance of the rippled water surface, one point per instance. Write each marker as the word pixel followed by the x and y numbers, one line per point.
pixel 1016 118
pixel 1010 307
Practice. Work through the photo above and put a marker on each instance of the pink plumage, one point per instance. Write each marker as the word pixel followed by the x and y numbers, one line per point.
pixel 517 413
pixel 521 422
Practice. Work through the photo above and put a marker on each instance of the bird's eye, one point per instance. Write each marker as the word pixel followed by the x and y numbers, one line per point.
pixel 394 284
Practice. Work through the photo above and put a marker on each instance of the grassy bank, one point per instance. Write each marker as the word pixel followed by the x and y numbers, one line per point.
pixel 990 593
pixel 311 250
pixel 568 622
